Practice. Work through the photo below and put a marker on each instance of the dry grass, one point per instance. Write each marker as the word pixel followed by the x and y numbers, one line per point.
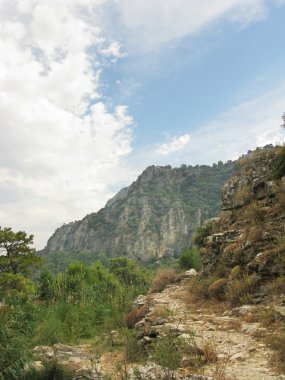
pixel 277 286
pixel 219 372
pixel 162 278
pixel 240 290
pixel 217 289
pixel 209 349
pixel 243 195
pixel 254 213
pixel 280 195
pixel 254 234
pixel 199 287
pixel 135 316
pixel 160 311
pixel 277 343
pixel 270 318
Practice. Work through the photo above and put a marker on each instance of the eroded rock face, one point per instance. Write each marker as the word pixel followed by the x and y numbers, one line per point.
pixel 154 217
pixel 251 225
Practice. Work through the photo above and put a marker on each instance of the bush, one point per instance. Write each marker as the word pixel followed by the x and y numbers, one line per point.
pixel 190 258
pixel 217 289
pixel 200 287
pixel 254 213
pixel 162 278
pixel 277 343
pixel 239 291
pixel 50 371
pixel 279 165
pixel 277 286
pixel 134 351
pixel 135 316
pixel 201 233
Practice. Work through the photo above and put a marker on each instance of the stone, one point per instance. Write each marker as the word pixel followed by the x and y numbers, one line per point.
pixel 239 356
pixel 191 273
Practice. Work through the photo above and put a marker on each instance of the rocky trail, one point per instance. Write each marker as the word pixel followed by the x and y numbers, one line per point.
pixel 241 351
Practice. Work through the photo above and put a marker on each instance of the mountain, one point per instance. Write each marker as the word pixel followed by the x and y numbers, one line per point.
pixel 154 217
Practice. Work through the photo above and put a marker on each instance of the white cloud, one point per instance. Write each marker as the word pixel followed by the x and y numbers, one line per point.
pixel 152 24
pixel 114 50
pixel 61 147
pixel 175 144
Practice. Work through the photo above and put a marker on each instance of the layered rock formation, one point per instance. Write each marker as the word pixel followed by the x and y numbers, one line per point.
pixel 155 216
pixel 250 230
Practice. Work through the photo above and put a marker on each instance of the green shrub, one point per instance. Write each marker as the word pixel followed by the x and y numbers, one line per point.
pixel 277 343
pixel 201 233
pixel 50 371
pixel 279 165
pixel 199 287
pixel 190 258
pixel 170 351
pixel 134 351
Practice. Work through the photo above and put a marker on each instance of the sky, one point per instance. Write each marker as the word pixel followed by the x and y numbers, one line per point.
pixel 94 91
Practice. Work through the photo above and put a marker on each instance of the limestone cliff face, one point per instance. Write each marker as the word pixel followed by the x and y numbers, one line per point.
pixel 250 230
pixel 155 216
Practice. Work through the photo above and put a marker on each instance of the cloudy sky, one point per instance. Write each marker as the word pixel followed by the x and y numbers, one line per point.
pixel 93 91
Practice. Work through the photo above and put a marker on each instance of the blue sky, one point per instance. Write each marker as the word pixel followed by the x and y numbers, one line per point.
pixel 94 91
pixel 199 77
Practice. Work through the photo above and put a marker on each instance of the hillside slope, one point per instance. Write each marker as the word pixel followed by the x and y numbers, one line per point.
pixel 155 216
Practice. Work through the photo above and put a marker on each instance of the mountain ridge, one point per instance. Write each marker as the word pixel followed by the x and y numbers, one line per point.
pixel 154 217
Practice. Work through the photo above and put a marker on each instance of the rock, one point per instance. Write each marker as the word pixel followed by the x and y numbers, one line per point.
pixel 191 273
pixel 139 302
pixel 239 356
pixel 250 328
pixel 87 373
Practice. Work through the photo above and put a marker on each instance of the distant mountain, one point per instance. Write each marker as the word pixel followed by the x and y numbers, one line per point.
pixel 154 217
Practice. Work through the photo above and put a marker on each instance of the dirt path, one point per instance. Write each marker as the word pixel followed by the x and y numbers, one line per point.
pixel 238 344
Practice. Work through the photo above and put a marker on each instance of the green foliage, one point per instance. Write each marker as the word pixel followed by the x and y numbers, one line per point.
pixel 128 272
pixel 15 285
pixel 170 350
pixel 279 167
pixel 17 256
pixel 201 233
pixel 190 258
pixel 16 322
pixel 46 285
pixel 84 300
pixel 50 371
pixel 239 290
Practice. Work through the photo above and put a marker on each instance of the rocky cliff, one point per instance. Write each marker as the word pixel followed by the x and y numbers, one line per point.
pixel 249 234
pixel 155 216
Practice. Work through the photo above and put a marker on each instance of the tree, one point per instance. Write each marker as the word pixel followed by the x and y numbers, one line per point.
pixel 128 272
pixel 283 119
pixel 16 255
pixel 190 258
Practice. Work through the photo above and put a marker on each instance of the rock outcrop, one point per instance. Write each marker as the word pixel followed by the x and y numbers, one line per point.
pixel 250 230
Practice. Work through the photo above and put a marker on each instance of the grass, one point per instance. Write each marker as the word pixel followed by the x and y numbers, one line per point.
pixel 277 343
pixel 162 278
pixel 277 286
pixel 240 290
pixel 254 213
